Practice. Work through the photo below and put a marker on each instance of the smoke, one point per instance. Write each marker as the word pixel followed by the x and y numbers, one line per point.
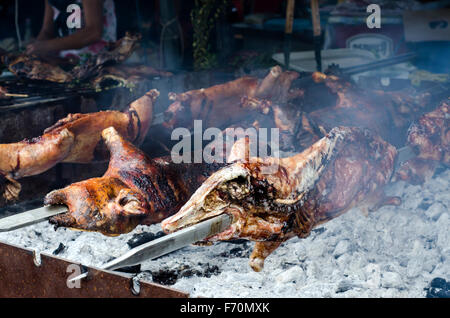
pixel 433 56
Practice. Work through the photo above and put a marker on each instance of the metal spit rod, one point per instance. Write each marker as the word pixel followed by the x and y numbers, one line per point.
pixel 379 64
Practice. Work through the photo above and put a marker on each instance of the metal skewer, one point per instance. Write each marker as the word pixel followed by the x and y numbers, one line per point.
pixel 288 32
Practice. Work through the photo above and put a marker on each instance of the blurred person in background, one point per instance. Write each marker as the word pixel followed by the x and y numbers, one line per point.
pixel 56 38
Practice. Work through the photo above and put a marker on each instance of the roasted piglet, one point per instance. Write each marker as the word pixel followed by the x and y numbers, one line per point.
pixel 272 200
pixel 32 67
pixel 134 190
pixel 220 105
pixel 31 157
pixel 126 75
pixel 430 135
pixel 115 53
pixel 73 139
pixel 387 114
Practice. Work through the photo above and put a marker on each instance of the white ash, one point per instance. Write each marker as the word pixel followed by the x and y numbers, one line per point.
pixel 393 252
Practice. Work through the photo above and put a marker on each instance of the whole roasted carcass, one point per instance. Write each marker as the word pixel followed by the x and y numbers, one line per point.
pixel 116 52
pixel 3 92
pixel 64 71
pixel 220 105
pixel 430 135
pixel 72 139
pixel 134 190
pixel 272 200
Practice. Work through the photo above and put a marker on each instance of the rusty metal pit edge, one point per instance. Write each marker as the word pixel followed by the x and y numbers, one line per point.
pixel 20 276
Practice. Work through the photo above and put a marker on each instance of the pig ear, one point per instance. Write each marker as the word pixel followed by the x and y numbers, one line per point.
pixel 246 149
pixel 260 253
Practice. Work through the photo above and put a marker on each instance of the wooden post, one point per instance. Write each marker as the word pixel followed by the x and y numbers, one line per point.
pixel 315 15
pixel 289 17
pixel 288 31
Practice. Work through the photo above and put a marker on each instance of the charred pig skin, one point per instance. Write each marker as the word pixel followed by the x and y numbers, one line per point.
pixel 31 67
pixel 272 200
pixel 430 135
pixel 126 75
pixel 387 114
pixel 73 139
pixel 30 157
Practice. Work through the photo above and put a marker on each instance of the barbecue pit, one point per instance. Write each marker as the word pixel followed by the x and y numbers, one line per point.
pixel 358 209
pixel 394 252
pixel 374 256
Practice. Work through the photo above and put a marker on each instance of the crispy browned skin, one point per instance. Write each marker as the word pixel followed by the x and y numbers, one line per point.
pixel 74 139
pixel 87 128
pixel 126 71
pixel 220 105
pixel 3 91
pixel 272 200
pixel 116 52
pixel 386 114
pixel 134 190
pixel 104 204
pixel 431 137
pixel 33 68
